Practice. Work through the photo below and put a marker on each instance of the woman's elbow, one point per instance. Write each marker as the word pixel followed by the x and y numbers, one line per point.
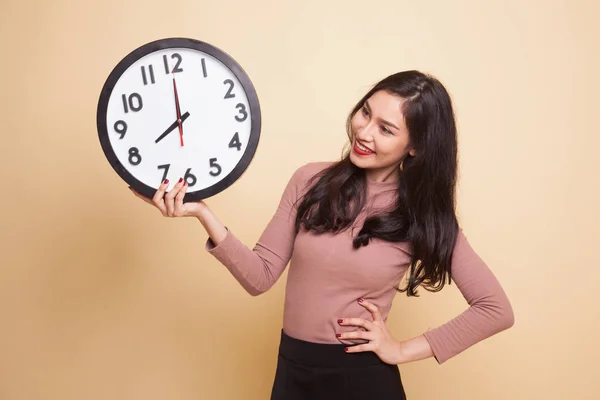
pixel 508 319
pixel 505 318
pixel 499 315
pixel 256 290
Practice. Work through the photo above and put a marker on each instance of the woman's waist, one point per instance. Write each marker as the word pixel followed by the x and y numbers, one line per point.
pixel 324 355
pixel 316 323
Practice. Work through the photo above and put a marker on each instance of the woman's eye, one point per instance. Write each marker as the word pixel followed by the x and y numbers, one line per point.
pixel 384 129
pixel 365 112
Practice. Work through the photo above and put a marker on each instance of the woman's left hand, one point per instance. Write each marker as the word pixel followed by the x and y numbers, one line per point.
pixel 380 341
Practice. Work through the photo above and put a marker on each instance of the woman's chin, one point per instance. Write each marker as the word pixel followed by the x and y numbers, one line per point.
pixel 359 161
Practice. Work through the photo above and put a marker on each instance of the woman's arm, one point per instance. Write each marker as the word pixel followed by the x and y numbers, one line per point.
pixel 258 269
pixel 489 312
pixel 215 229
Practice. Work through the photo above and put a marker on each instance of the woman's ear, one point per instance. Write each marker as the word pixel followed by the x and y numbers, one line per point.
pixel 412 152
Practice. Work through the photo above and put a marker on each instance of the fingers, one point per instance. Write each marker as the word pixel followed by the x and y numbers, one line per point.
pixel 171 203
pixel 179 208
pixel 157 199
pixel 368 325
pixel 374 334
pixel 170 198
pixel 372 308
pixel 359 348
pixel 356 335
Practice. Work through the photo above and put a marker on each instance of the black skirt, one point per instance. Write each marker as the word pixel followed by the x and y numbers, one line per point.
pixel 315 371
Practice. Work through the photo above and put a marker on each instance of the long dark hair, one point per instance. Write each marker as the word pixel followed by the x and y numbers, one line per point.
pixel 424 212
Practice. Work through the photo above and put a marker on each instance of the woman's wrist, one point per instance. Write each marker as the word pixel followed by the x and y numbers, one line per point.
pixel 414 349
pixel 202 214
pixel 215 229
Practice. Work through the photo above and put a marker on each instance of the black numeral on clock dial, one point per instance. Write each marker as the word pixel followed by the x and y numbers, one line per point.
pixel 121 128
pixel 134 156
pixel 214 165
pixel 150 72
pixel 176 56
pixel 229 95
pixel 242 111
pixel 204 73
pixel 166 168
pixel 235 142
pixel 189 177
pixel 133 102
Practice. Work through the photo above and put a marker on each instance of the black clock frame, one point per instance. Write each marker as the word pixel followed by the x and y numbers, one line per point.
pixel 229 62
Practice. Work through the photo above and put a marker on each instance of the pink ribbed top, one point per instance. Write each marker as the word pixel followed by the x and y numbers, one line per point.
pixel 327 275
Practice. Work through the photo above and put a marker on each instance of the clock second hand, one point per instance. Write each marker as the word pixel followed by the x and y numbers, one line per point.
pixel 177 108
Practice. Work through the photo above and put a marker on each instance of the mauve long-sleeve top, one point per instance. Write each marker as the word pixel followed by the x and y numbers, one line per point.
pixel 327 275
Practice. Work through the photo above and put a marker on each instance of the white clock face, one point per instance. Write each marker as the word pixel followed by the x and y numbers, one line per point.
pixel 142 119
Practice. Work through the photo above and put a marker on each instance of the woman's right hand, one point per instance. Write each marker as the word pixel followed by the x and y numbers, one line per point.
pixel 171 204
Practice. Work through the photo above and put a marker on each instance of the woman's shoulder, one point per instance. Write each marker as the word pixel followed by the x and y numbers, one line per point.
pixel 302 178
pixel 311 169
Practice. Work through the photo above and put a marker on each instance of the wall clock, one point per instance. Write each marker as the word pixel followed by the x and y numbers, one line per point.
pixel 179 108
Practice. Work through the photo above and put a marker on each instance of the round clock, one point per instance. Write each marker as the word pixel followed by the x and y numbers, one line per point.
pixel 179 108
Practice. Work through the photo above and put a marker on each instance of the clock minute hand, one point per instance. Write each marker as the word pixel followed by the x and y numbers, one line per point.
pixel 172 127
pixel 177 107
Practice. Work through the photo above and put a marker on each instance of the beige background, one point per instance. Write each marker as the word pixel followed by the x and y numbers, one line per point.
pixel 102 298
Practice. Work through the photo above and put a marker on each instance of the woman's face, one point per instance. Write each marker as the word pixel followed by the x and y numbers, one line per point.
pixel 380 139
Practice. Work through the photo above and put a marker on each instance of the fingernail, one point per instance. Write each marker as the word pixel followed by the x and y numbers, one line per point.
pixel 180 180
pixel 338 335
pixel 166 181
pixel 346 349
pixel 360 300
pixel 340 321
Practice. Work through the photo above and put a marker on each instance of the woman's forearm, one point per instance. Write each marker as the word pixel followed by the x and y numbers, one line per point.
pixel 414 349
pixel 215 229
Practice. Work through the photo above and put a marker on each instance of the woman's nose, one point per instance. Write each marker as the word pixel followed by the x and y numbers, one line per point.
pixel 365 133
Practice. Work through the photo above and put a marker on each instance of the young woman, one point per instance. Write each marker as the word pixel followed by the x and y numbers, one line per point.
pixel 357 231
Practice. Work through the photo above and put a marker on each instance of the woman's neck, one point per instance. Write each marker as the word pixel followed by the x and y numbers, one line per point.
pixel 388 175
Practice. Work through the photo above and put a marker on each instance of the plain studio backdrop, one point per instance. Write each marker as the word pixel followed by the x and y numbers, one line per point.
pixel 102 298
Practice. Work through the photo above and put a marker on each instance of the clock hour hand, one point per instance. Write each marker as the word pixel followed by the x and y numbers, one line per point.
pixel 172 127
